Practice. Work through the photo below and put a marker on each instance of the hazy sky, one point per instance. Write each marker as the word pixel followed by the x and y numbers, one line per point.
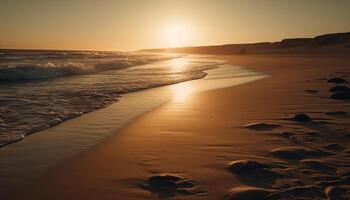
pixel 135 24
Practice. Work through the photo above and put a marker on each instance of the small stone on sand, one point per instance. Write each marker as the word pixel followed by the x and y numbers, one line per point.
pixel 340 95
pixel 336 80
pixel 339 88
pixel 302 118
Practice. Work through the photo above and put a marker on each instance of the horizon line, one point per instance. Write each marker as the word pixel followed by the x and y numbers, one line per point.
pixel 142 49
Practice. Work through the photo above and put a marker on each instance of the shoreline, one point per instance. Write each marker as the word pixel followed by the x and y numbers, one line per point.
pixel 67 140
pixel 69 79
pixel 198 136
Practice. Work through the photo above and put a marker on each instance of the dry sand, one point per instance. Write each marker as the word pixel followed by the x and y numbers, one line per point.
pixel 210 149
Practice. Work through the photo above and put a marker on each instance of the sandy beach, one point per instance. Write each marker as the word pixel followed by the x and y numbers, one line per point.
pixel 175 99
pixel 237 142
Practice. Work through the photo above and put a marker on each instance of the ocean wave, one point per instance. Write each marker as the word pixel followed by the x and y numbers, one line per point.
pixel 40 71
pixel 36 66
pixel 28 107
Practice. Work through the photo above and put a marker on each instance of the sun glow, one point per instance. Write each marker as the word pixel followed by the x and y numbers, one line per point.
pixel 177 35
pixel 182 91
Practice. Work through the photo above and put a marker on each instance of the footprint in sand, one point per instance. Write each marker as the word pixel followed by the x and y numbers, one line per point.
pixel 250 193
pixel 317 164
pixel 296 153
pixel 241 166
pixel 170 185
pixel 262 126
pixel 302 192
pixel 256 173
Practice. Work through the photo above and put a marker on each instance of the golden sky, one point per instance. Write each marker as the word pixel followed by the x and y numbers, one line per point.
pixel 136 24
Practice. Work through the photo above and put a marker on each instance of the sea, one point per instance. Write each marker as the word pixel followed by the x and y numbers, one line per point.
pixel 41 89
pixel 55 105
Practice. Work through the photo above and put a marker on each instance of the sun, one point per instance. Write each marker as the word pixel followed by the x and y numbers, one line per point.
pixel 176 35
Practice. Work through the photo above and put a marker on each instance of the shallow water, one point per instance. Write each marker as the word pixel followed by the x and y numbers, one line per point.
pixel 47 148
pixel 38 89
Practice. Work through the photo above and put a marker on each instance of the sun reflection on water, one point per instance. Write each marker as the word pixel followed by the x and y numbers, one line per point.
pixel 178 64
pixel 183 90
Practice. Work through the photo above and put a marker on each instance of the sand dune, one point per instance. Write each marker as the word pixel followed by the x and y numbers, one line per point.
pixel 335 43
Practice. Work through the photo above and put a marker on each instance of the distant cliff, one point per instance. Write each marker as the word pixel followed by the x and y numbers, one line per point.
pixel 335 43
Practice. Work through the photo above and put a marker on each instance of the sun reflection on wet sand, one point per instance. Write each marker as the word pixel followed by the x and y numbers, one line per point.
pixel 182 91
pixel 219 78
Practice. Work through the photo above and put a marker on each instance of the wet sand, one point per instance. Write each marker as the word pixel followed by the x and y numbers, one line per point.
pixel 240 142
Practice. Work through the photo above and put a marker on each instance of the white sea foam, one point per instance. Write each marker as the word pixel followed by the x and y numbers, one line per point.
pixel 33 98
pixel 34 66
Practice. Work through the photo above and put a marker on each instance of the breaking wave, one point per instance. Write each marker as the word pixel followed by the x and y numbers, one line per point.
pixel 34 66
pixel 33 98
